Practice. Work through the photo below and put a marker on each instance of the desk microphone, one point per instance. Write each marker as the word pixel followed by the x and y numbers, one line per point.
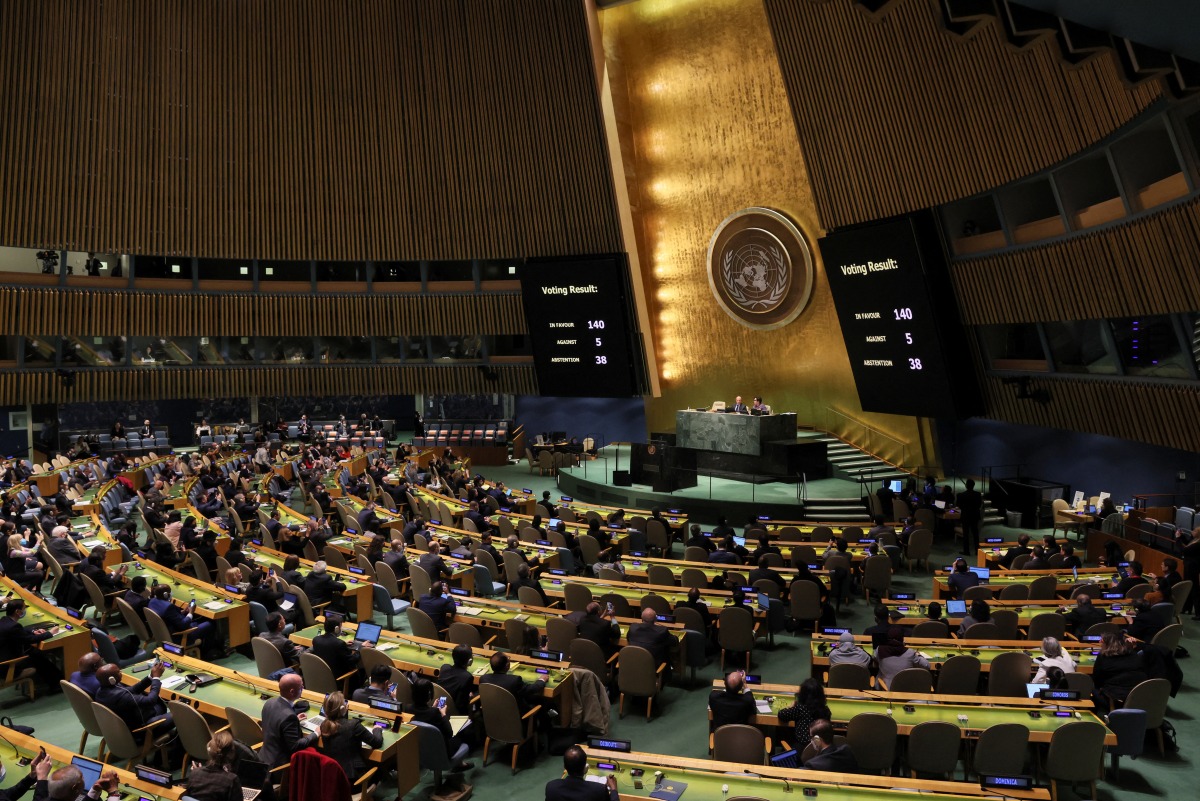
pixel 880 697
pixel 249 684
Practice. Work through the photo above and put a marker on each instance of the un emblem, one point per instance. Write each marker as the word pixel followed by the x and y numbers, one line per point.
pixel 760 268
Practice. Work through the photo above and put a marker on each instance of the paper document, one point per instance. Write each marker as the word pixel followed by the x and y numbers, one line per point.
pixel 596 779
pixel 468 610
pixel 92 543
pixel 764 707
pixel 459 722
pixel 215 606
pixel 385 646
pixel 173 682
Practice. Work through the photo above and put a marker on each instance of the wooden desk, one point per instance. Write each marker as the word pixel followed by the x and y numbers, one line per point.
pixel 233 613
pixel 939 650
pixel 980 711
pixel 489 615
pixel 705 779
pixel 73 638
pixel 1026 610
pixel 427 657
pixel 26 746
pixel 1001 579
pixel 248 693
pixel 358 595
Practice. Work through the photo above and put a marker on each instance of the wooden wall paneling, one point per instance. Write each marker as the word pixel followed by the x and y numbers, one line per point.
pixel 431 129
pixel 1160 414
pixel 1145 266
pixel 895 114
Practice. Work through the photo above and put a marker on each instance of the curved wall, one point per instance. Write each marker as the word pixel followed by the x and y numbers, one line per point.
pixel 896 114
pixel 303 129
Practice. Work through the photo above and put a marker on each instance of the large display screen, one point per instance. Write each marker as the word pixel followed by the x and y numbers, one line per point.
pixel 898 314
pixel 578 313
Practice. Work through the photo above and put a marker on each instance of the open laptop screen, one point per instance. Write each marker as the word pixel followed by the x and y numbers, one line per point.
pixel 368 632
pixel 90 769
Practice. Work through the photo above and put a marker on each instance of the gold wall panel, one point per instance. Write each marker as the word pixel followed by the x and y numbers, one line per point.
pixel 896 114
pixel 303 129
pixel 706 130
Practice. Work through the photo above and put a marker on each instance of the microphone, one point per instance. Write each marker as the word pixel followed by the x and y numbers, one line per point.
pixel 880 697
pixel 249 684
pixel 787 787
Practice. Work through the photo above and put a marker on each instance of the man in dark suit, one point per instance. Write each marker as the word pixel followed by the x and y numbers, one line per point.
pixel 18 641
pixel 473 514
pixel 698 540
pixel 693 602
pixel 62 547
pixel 654 638
pixel 829 757
pixel 599 629
pixel 377 686
pixel 396 559
pixel 368 520
pixel 161 605
pixel 1133 579
pixel 319 586
pixel 546 502
pixel 274 527
pixel 337 653
pixel 1083 616
pixel 437 605
pixel 137 705
pixel 764 571
pixel 526 694
pixel 885 496
pixel 414 527
pixel 276 623
pixel 433 563
pixel 281 730
pixel 85 678
pixel 731 705
pixel 456 679
pixel 970 506
pixel 1020 549
pixel 739 407
pixel 723 556
pixel 137 596
pixel 574 787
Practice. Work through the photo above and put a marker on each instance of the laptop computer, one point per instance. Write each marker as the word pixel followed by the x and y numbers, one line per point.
pixel 984 573
pixel 787 759
pixel 764 602
pixel 367 633
pixel 1035 690
pixel 90 769
pixel 252 776
pixel 940 504
pixel 289 601
pixel 956 607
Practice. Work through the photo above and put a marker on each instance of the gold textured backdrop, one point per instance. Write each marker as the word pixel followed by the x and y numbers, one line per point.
pixel 706 130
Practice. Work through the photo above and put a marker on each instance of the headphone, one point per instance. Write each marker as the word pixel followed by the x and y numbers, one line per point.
pixel 112 681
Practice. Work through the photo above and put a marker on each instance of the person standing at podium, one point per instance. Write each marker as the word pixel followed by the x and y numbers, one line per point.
pixel 739 407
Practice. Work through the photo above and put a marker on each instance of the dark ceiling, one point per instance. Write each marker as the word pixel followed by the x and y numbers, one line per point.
pixel 1171 25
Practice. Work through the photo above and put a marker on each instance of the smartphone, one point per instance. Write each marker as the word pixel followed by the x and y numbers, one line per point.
pixel 610 607
pixel 441 702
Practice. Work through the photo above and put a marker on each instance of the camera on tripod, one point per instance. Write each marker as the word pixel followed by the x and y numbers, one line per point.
pixel 49 260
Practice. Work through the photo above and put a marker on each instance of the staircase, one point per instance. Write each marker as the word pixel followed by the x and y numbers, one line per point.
pixel 850 511
pixel 849 463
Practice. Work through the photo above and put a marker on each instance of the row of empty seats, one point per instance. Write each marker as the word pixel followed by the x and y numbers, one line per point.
pixel 445 434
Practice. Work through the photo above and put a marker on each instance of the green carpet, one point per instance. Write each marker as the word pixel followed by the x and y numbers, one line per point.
pixel 680 725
